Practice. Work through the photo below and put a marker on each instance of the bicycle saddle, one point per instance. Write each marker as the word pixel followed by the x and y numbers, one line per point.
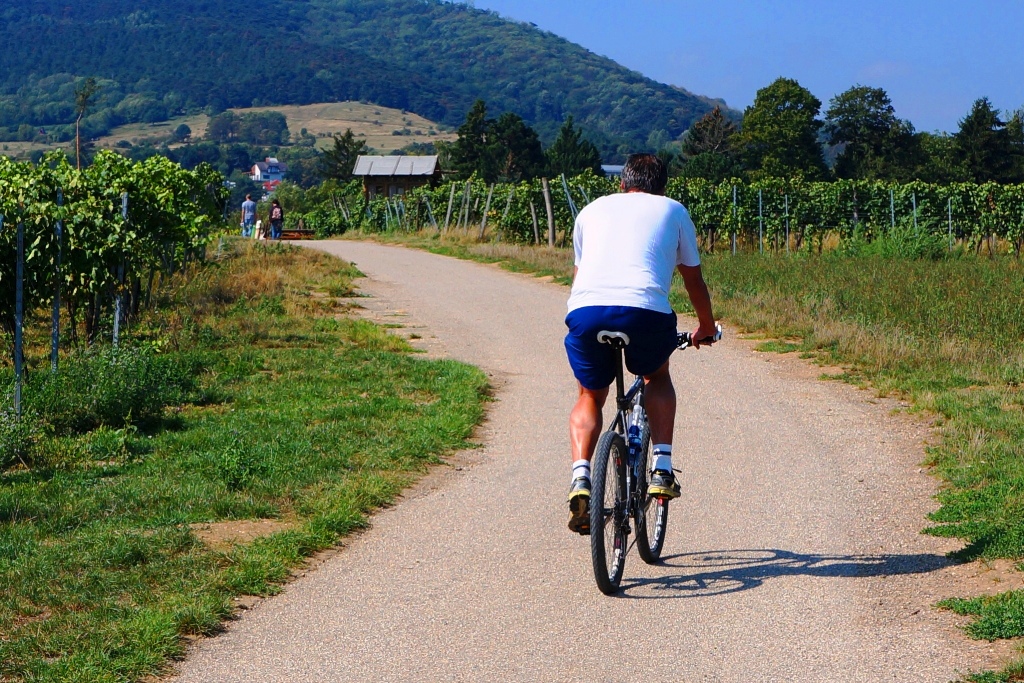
pixel 613 338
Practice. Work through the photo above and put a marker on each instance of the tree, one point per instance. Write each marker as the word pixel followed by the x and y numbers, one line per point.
pixel 84 96
pixel 874 142
pixel 571 154
pixel 984 143
pixel 514 149
pixel 711 133
pixel 222 127
pixel 469 153
pixel 502 149
pixel 709 149
pixel 182 133
pixel 780 132
pixel 940 159
pixel 339 161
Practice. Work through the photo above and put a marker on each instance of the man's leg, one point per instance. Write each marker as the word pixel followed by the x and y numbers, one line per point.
pixel 660 400
pixel 584 431
pixel 585 423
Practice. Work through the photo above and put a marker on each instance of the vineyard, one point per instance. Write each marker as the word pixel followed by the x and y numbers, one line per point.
pixel 95 242
pixel 771 214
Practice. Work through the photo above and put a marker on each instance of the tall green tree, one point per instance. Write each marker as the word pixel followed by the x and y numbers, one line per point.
pixel 85 94
pixel 338 162
pixel 875 143
pixel 712 132
pixel 469 153
pixel 709 149
pixel 571 153
pixel 502 149
pixel 514 149
pixel 984 143
pixel 780 132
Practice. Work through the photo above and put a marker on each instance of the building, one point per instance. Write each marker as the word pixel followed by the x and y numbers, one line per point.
pixel 395 175
pixel 268 171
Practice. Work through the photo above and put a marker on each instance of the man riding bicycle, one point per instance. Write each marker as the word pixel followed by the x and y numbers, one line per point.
pixel 627 246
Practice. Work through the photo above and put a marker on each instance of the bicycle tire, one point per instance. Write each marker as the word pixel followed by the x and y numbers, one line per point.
pixel 650 514
pixel 608 513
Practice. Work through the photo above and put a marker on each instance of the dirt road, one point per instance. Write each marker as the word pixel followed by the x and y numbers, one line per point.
pixel 793 555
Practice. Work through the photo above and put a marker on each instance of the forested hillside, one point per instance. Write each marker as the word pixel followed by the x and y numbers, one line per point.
pixel 158 58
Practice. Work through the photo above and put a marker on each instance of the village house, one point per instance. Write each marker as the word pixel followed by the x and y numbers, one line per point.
pixel 268 171
pixel 392 176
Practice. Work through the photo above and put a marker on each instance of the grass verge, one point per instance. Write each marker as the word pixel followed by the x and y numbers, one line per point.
pixel 946 334
pixel 305 416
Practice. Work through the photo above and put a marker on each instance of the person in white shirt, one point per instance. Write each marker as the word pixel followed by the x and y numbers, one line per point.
pixel 628 246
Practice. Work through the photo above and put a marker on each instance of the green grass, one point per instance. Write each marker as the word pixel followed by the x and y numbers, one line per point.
pixel 309 416
pixel 947 335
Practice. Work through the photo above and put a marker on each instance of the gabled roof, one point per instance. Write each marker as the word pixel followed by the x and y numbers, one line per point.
pixel 395 166
pixel 264 166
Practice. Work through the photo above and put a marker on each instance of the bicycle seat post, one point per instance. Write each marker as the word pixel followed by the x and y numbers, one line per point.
pixel 620 382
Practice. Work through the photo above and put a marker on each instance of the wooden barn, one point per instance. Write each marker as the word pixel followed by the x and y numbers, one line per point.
pixel 392 176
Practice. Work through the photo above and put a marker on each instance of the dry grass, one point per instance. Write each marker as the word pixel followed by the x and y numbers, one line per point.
pixel 372 123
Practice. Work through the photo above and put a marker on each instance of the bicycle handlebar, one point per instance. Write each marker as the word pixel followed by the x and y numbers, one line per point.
pixel 684 340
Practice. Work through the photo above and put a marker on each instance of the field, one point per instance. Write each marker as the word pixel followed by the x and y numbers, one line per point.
pixel 383 129
pixel 376 125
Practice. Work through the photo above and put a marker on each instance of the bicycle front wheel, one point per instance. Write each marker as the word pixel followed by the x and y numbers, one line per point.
pixel 651 514
pixel 608 513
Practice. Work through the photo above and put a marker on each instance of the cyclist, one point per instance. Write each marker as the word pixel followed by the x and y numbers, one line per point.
pixel 627 246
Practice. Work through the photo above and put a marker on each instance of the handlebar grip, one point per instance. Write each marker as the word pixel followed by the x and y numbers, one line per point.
pixel 685 339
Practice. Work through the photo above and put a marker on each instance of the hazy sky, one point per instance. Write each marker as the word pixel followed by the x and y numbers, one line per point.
pixel 933 57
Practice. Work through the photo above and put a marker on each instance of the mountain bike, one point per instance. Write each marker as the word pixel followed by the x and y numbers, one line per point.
pixel 618 488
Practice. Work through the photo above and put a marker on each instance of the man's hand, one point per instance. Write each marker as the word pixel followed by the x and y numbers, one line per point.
pixel 702 333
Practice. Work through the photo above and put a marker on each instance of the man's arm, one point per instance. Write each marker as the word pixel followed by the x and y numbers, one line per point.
pixel 697 290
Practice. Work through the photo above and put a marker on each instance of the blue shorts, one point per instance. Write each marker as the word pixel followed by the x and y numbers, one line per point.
pixel 652 339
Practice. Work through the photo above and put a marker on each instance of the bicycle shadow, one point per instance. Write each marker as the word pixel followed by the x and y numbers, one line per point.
pixel 707 574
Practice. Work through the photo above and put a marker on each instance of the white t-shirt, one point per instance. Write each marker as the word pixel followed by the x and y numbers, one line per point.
pixel 627 247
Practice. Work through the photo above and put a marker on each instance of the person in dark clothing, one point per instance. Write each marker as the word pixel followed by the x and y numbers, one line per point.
pixel 276 220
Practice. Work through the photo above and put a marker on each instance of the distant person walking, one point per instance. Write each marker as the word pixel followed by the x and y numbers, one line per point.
pixel 248 215
pixel 276 220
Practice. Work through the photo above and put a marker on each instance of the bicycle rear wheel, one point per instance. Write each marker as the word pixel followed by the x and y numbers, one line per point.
pixel 650 514
pixel 608 514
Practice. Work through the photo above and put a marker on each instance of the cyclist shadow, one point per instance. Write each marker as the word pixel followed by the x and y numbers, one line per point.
pixel 707 574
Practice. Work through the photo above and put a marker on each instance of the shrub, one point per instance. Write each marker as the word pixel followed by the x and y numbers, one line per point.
pixel 903 242
pixel 240 465
pixel 19 439
pixel 111 388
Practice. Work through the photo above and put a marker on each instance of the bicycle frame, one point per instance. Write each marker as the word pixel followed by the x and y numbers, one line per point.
pixel 627 403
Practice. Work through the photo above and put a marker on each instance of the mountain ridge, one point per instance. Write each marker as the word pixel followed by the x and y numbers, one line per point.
pixel 434 58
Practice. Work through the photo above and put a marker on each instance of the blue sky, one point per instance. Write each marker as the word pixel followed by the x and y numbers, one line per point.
pixel 934 58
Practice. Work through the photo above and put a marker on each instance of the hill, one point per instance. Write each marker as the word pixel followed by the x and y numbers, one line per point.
pixel 161 58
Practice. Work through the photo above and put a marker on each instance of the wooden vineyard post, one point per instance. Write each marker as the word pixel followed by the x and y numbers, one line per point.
pixel 55 327
pixel 19 316
pixel 760 220
pixel 508 206
pixel 451 201
pixel 430 214
pixel 551 211
pixel 487 208
pixel 536 227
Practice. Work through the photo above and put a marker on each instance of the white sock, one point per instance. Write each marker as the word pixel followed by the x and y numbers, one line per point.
pixel 580 468
pixel 663 457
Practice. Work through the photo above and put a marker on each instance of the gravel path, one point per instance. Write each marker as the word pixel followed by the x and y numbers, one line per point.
pixel 793 555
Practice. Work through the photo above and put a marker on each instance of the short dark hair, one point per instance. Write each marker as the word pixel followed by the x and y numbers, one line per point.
pixel 646 173
pixel 248 196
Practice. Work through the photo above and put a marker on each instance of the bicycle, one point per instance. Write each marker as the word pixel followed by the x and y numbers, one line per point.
pixel 619 478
